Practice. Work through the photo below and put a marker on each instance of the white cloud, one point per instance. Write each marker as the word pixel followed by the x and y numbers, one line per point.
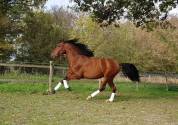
pixel 51 3
pixel 174 12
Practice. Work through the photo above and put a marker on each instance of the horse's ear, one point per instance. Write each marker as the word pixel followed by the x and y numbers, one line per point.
pixel 61 40
pixel 76 39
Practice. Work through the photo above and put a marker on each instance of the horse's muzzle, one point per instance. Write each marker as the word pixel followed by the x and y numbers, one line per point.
pixel 53 56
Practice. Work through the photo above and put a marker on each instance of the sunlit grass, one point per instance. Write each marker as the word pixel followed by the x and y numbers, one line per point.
pixel 85 87
pixel 24 103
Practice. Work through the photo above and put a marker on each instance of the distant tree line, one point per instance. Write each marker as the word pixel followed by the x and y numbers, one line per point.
pixel 28 34
pixel 151 51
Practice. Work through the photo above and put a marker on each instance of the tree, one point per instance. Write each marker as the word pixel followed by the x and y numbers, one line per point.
pixel 145 13
pixel 12 13
pixel 41 33
pixel 150 51
pixel 5 48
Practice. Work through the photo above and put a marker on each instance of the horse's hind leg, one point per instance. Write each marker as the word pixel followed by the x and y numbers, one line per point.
pixel 102 86
pixel 113 87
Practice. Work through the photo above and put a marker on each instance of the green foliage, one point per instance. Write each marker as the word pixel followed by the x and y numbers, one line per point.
pixel 12 13
pixel 150 51
pixel 42 31
pixel 140 12
pixel 39 35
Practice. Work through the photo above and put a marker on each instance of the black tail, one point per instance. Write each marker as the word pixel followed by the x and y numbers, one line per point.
pixel 129 70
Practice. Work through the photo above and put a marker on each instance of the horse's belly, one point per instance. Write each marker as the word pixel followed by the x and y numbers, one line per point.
pixel 93 74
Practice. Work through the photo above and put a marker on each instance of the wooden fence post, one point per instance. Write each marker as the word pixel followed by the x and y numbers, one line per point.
pixel 166 78
pixel 50 91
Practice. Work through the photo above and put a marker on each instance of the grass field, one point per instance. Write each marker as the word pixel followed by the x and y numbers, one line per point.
pixel 25 104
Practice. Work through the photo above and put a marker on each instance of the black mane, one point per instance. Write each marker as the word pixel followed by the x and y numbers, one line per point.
pixel 84 50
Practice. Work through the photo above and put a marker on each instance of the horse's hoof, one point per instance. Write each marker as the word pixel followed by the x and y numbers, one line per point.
pixel 108 101
pixel 69 89
pixel 119 94
pixel 89 97
pixel 49 92
pixel 53 91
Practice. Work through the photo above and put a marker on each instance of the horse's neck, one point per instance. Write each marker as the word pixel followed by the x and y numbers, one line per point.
pixel 72 57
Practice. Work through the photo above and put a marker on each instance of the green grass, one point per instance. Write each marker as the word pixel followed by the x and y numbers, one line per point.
pixel 128 89
pixel 22 88
pixel 85 87
pixel 23 76
pixel 18 76
pixel 25 104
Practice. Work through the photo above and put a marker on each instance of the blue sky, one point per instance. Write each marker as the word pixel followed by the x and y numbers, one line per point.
pixel 59 3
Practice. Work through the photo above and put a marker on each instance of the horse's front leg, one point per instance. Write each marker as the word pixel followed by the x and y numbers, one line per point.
pixel 63 82
pixel 70 76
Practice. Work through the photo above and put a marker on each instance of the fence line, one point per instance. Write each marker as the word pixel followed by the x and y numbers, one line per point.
pixel 30 66
pixel 63 69
pixel 159 73
pixel 151 77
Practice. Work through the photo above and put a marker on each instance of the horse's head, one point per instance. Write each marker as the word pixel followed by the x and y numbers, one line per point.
pixel 71 45
pixel 59 50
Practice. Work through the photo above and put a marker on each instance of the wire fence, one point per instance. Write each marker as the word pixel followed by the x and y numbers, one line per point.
pixel 155 77
pixel 31 73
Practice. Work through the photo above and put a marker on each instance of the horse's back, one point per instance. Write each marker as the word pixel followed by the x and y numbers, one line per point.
pixel 92 68
pixel 110 66
pixel 100 67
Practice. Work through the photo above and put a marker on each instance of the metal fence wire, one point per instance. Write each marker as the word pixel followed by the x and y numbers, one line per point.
pixel 10 72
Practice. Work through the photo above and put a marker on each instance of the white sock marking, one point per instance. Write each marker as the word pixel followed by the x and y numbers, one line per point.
pixel 112 97
pixel 65 84
pixel 95 93
pixel 57 86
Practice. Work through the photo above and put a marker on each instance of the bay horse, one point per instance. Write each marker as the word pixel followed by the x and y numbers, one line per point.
pixel 83 65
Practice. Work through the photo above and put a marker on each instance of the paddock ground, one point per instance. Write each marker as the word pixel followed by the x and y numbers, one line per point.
pixel 24 104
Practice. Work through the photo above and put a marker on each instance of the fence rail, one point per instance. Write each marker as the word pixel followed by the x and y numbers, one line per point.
pixel 151 77
pixel 30 66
